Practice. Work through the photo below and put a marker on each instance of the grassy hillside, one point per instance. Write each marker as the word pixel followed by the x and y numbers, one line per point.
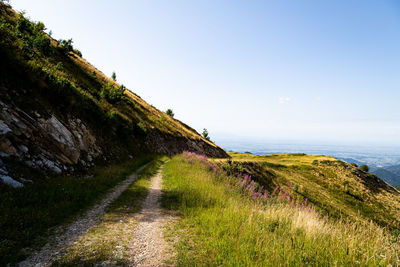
pixel 40 75
pixel 224 221
pixel 335 188
pixel 68 133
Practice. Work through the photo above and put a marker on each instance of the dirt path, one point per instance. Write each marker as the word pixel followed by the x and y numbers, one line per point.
pixel 148 246
pixel 59 243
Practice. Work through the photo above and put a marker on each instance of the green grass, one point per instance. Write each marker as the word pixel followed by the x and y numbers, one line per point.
pixel 27 213
pixel 221 227
pixel 109 240
pixel 336 188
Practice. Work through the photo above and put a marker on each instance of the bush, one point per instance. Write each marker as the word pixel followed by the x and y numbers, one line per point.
pixel 42 43
pixel 354 164
pixel 205 134
pixel 169 112
pixel 39 27
pixel 114 76
pixel 66 45
pixel 364 168
pixel 24 25
pixel 142 126
pixel 79 53
pixel 113 94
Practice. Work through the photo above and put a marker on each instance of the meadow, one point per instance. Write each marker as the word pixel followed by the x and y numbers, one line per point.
pixel 222 224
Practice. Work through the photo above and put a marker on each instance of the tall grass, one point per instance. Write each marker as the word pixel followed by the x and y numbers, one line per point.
pixel 222 226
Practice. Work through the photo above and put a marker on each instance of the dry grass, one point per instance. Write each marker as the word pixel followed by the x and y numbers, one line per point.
pixel 334 187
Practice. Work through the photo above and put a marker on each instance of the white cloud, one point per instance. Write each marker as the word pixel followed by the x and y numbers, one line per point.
pixel 284 100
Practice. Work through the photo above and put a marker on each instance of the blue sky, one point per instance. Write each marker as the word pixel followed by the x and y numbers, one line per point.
pixel 314 71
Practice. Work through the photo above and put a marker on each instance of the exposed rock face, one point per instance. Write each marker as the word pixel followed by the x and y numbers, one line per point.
pixel 49 143
pixel 43 143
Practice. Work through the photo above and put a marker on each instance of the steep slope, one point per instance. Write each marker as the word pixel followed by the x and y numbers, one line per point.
pixel 59 113
pixel 336 188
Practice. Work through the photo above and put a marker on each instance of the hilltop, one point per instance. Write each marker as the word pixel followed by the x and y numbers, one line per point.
pixel 60 114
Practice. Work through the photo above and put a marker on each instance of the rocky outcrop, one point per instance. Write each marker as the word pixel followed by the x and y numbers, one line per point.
pixel 44 142
pixel 61 115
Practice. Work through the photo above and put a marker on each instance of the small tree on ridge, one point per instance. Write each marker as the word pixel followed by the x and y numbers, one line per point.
pixel 205 134
pixel 169 112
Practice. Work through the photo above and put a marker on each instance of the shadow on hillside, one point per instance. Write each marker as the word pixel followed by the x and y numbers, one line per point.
pixel 374 184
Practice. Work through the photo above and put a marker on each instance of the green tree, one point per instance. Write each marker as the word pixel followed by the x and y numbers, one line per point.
pixel 169 112
pixel 205 134
pixel 364 168
pixel 114 76
pixel 67 45
pixel 39 27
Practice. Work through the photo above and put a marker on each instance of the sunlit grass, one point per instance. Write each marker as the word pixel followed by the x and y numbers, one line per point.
pixel 220 226
pixel 334 187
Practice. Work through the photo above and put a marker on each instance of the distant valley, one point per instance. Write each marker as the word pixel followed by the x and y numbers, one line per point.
pixel 383 161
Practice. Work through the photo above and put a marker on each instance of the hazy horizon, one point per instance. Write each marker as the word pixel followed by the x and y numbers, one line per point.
pixel 312 71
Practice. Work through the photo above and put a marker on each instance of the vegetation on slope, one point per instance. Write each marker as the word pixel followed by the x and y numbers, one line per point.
pixel 40 74
pixel 337 189
pixel 222 225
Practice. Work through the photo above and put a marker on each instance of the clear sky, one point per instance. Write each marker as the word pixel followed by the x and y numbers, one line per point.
pixel 318 71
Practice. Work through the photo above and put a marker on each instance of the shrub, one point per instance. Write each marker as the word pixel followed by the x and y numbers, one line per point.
pixel 59 66
pixel 42 43
pixel 66 45
pixel 205 134
pixel 354 164
pixel 114 76
pixel 169 112
pixel 364 168
pixel 112 94
pixel 24 25
pixel 39 27
pixel 79 53
pixel 142 126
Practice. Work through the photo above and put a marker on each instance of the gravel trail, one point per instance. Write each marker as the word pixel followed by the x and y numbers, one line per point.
pixel 148 246
pixel 58 244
